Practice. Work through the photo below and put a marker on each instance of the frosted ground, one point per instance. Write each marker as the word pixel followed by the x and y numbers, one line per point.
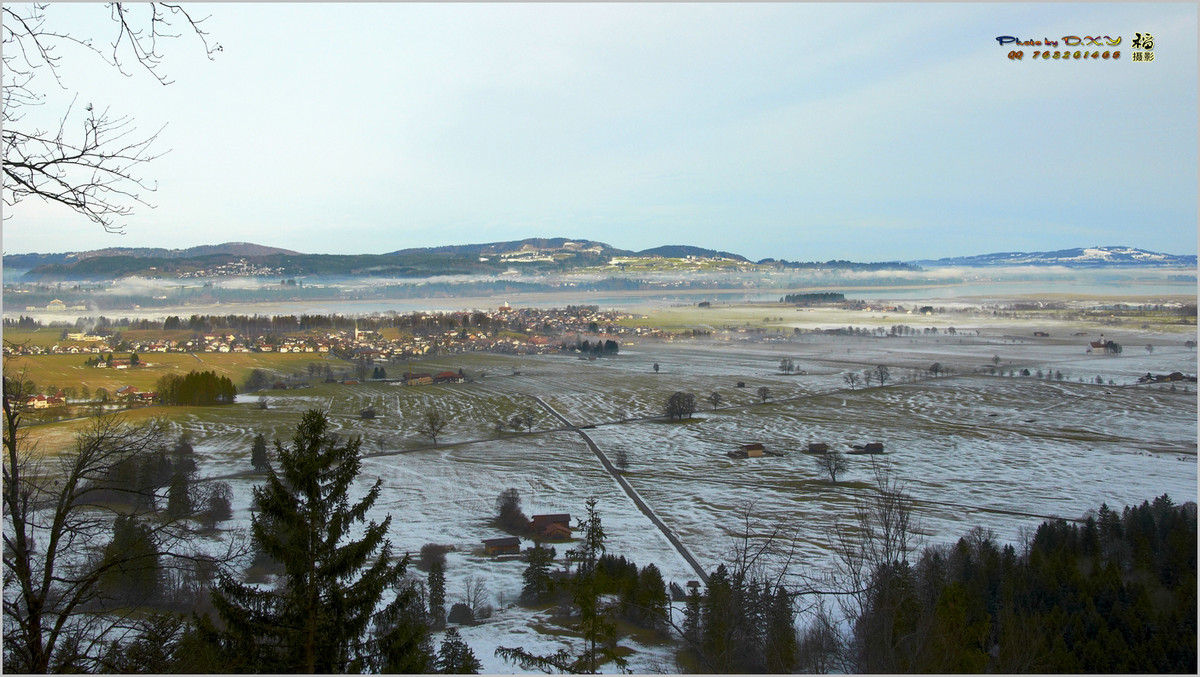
pixel 972 449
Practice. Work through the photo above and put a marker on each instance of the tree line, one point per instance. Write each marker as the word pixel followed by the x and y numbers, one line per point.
pixel 1116 593
pixel 197 389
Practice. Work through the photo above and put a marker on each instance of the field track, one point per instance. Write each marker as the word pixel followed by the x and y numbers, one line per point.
pixel 629 491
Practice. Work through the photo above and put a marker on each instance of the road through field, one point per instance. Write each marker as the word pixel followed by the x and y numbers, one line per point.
pixel 629 491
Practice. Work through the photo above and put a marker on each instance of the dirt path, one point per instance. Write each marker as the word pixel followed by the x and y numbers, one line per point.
pixel 629 491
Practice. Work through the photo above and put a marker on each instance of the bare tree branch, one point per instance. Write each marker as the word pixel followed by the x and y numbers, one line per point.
pixel 91 168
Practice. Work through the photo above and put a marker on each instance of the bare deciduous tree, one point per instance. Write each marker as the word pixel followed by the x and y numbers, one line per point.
pixel 475 595
pixel 680 404
pixel 832 463
pixel 764 393
pixel 882 375
pixel 878 538
pixel 90 163
pixel 59 509
pixel 851 379
pixel 432 423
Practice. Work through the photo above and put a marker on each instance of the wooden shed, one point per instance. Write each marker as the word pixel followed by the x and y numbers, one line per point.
pixel 752 450
pixel 818 447
pixel 509 545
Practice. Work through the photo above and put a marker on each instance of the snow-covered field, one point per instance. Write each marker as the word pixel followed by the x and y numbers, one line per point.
pixel 972 449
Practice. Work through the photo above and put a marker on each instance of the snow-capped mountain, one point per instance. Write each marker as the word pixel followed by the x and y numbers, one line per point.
pixel 1087 257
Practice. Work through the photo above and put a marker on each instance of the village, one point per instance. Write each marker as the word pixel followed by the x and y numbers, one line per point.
pixel 505 330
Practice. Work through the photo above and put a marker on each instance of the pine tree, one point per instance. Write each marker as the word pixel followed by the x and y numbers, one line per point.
pixel 437 595
pixel 781 645
pixel 536 577
pixel 179 503
pixel 598 633
pixel 455 656
pixel 258 453
pixel 316 620
pixel 135 579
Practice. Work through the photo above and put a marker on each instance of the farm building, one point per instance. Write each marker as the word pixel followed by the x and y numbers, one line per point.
pixel 754 450
pixel 552 526
pixel 818 447
pixel 418 379
pixel 868 448
pixel 509 545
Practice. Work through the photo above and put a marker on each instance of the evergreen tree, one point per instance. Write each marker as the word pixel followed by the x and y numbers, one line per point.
pixel 437 595
pixel 179 504
pixel 781 645
pixel 717 620
pixel 183 456
pixel 691 617
pixel 135 579
pixel 316 620
pixel 455 657
pixel 537 582
pixel 258 453
pixel 599 634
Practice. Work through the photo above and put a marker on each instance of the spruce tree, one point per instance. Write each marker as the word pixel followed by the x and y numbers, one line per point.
pixel 316 620
pixel 179 503
pixel 437 595
pixel 258 453
pixel 455 656
pixel 536 577
pixel 781 645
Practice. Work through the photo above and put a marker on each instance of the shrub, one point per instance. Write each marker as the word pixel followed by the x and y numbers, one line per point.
pixel 461 613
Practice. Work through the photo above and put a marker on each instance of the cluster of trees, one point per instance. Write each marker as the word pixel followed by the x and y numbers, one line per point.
pixel 594 612
pixel 880 374
pixel 509 515
pixel 606 347
pixel 99 542
pixel 107 360
pixel 523 419
pixel 680 405
pixel 741 623
pixel 813 297
pixel 1114 594
pixel 198 388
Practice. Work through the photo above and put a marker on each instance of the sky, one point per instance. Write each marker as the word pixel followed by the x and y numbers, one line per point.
pixel 867 132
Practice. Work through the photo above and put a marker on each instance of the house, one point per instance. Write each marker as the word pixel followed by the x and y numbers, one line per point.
pixel 557 526
pixel 448 377
pixel 817 447
pixel 509 545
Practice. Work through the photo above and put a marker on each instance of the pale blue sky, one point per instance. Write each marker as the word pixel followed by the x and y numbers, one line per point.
pixel 798 131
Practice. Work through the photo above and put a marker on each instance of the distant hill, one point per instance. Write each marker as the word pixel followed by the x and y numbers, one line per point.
pixel 243 259
pixel 514 246
pixel 681 251
pixel 236 249
pixel 246 249
pixel 1088 257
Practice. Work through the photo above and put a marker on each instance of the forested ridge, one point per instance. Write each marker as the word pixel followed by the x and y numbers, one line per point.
pixel 1116 593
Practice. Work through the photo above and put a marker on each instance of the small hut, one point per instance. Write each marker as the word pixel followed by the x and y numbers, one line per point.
pixel 509 545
